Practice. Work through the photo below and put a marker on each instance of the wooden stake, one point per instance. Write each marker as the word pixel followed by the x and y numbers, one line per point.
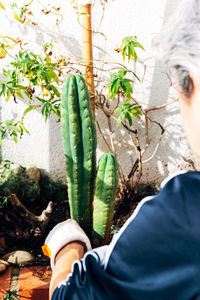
pixel 87 53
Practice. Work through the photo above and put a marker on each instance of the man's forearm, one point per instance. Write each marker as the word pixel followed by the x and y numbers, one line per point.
pixel 63 263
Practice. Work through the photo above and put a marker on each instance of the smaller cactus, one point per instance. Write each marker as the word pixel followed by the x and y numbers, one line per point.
pixel 104 198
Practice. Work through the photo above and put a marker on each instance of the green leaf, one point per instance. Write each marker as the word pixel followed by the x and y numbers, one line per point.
pixel 54 76
pixel 117 81
pixel 28 95
pixel 24 66
pixel 48 59
pixel 54 89
pixel 128 117
pixel 8 97
pixel 115 88
pixel 16 17
pixel 128 46
pixel 134 55
pixel 29 3
pixel 136 44
pixel 19 94
pixel 2 51
pixel 124 52
pixel 48 77
pixel 122 72
pixel 23 128
pixel 45 91
pixel 41 100
pixel 2 6
pixel 127 88
pixel 29 109
pixel 33 55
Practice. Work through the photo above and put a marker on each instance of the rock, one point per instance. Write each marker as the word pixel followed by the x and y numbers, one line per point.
pixel 15 168
pixel 2 268
pixel 18 257
pixel 4 262
pixel 13 177
pixel 33 173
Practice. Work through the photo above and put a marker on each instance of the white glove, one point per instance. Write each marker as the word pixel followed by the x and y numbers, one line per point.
pixel 62 234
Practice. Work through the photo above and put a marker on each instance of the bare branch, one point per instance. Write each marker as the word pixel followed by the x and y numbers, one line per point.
pixel 160 106
pixel 28 216
pixel 103 137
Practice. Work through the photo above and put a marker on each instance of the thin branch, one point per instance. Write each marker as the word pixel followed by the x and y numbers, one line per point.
pixel 133 170
pixel 111 135
pixel 28 216
pixel 160 106
pixel 103 137
pixel 159 141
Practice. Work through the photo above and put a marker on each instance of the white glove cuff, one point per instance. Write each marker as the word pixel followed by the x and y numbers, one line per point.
pixel 62 234
pixel 76 237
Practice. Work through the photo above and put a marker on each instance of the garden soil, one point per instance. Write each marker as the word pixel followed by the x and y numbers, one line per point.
pixel 16 234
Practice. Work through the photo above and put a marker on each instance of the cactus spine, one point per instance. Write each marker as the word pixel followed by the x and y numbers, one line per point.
pixel 104 199
pixel 79 140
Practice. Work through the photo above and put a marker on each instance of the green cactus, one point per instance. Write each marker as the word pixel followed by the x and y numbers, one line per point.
pixel 104 199
pixel 79 140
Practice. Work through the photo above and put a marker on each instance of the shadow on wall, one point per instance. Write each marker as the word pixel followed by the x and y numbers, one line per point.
pixel 158 87
pixel 158 96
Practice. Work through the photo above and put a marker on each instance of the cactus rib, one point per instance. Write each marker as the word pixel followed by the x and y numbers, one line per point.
pixel 104 199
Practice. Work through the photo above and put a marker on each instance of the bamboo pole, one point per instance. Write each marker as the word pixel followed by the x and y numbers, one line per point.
pixel 87 53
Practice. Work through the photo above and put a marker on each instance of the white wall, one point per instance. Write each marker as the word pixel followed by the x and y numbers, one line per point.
pixel 144 19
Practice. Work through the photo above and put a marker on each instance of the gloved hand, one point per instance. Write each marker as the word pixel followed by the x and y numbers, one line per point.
pixel 62 234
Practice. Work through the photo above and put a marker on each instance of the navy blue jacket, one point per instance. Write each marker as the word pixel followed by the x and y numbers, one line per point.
pixel 155 255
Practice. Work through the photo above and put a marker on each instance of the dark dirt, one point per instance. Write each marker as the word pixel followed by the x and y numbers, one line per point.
pixel 16 234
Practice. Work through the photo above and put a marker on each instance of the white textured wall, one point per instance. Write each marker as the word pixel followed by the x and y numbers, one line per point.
pixel 144 19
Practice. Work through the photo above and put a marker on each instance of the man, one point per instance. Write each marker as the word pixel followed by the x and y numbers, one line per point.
pixel 156 254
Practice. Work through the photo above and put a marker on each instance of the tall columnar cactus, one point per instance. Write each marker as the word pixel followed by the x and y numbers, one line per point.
pixel 104 198
pixel 79 140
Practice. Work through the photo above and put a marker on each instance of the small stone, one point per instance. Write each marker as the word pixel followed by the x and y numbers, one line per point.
pixel 2 268
pixel 4 262
pixel 33 173
pixel 15 168
pixel 18 257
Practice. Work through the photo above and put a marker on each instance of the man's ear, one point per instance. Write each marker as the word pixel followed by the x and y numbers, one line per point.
pixel 195 83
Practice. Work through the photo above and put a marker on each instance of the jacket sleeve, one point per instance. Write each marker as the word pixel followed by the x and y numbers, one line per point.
pixel 86 280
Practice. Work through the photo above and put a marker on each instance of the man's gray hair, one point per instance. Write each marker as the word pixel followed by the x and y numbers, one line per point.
pixel 179 43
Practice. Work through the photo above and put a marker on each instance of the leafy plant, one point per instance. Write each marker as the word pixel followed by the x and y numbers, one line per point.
pixel 13 128
pixel 26 74
pixel 22 14
pixel 7 43
pixel 120 84
pixel 117 82
pixel 128 46
pixel 126 110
